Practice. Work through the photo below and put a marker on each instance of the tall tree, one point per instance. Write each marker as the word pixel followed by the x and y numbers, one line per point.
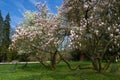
pixel 6 33
pixel 4 37
pixel 1 27
pixel 1 34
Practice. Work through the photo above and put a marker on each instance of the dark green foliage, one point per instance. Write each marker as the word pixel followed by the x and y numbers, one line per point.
pixel 1 27
pixel 23 57
pixel 75 55
pixel 4 37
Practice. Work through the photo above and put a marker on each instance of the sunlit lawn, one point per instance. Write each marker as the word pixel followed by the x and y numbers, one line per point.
pixel 38 72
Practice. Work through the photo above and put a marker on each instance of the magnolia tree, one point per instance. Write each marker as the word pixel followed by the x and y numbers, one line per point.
pixel 40 34
pixel 95 29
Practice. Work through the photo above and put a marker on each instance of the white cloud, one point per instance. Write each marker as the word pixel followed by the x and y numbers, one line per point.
pixel 21 11
pixel 33 2
pixel 21 8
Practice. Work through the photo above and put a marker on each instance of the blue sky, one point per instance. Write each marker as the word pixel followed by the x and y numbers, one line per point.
pixel 16 8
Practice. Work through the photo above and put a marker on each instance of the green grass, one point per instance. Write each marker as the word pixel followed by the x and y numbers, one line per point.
pixel 38 72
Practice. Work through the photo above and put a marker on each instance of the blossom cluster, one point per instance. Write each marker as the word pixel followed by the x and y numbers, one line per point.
pixel 97 30
pixel 40 31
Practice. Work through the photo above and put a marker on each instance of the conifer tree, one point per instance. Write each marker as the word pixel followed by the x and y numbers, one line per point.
pixel 1 27
pixel 4 36
pixel 6 39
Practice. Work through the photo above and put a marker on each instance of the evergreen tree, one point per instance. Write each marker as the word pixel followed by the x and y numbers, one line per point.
pixel 6 39
pixel 1 27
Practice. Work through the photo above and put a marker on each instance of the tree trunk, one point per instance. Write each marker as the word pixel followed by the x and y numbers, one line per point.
pixel 53 60
pixel 41 61
pixel 106 66
pixel 81 56
pixel 94 64
pixel 99 64
pixel 68 64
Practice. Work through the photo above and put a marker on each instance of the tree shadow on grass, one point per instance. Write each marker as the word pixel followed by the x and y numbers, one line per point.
pixel 52 75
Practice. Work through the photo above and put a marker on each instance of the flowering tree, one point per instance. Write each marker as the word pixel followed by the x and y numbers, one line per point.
pixel 40 34
pixel 95 29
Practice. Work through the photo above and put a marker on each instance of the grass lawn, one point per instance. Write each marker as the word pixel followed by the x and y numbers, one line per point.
pixel 37 72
